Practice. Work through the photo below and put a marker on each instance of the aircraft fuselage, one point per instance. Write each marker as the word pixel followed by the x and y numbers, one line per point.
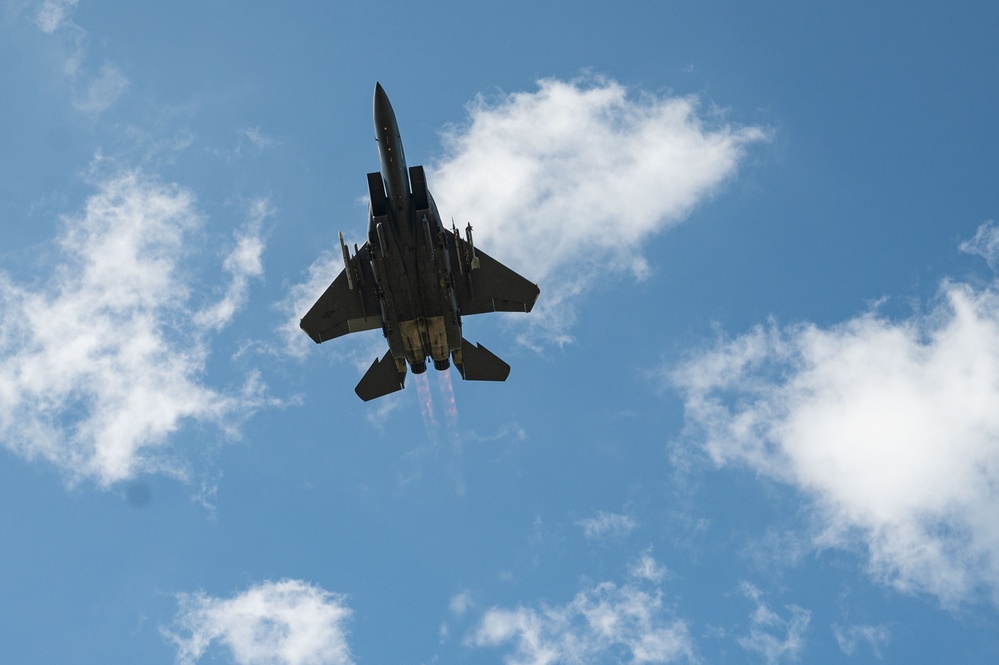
pixel 409 256
pixel 414 279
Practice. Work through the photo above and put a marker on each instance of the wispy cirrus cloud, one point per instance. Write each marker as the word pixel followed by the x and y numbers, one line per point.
pixel 92 93
pixel 771 636
pixel 607 525
pixel 850 638
pixel 647 568
pixel 103 359
pixel 891 427
pixel 50 15
pixel 100 92
pixel 289 622
pixel 626 623
pixel 985 243
pixel 565 183
pixel 242 264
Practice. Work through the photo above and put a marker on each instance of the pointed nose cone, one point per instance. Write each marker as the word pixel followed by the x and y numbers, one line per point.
pixel 384 116
pixel 394 172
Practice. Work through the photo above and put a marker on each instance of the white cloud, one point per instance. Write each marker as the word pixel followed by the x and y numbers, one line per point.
pixel 646 568
pixel 564 184
pixel 258 138
pixel 92 94
pixel 103 361
pixel 625 623
pixel 460 603
pixel 890 427
pixel 275 623
pixel 51 14
pixel 102 91
pixel 770 636
pixel 242 263
pixel 985 243
pixel 849 638
pixel 607 525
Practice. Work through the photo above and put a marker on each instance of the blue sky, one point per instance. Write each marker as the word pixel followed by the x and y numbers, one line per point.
pixel 753 418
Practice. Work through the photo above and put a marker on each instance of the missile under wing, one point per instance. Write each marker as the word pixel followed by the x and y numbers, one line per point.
pixel 414 279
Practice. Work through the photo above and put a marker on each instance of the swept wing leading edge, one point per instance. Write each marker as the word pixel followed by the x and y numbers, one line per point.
pixel 491 287
pixel 341 309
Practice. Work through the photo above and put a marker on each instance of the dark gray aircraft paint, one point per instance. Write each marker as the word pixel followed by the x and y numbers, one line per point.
pixel 414 279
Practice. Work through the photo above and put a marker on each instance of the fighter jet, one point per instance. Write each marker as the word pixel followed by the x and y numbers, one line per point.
pixel 414 279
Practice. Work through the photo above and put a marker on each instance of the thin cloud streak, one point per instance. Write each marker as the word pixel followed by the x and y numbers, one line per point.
pixel 606 525
pixel 890 427
pixel 243 263
pixel 103 363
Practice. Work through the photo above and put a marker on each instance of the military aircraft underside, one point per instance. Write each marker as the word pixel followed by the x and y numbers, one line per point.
pixel 414 279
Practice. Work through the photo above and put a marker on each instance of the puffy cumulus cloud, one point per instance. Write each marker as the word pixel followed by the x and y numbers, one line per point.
pixel 771 636
pixel 607 525
pixel 104 359
pixel 565 183
pixel 625 623
pixel 891 427
pixel 275 623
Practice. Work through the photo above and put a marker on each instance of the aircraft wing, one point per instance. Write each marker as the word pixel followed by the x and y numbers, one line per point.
pixel 341 309
pixel 491 287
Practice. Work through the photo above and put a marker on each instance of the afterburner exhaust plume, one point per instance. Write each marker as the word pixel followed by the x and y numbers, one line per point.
pixel 426 401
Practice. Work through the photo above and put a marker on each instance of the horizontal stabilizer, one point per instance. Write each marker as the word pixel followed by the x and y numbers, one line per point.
pixel 381 379
pixel 480 364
